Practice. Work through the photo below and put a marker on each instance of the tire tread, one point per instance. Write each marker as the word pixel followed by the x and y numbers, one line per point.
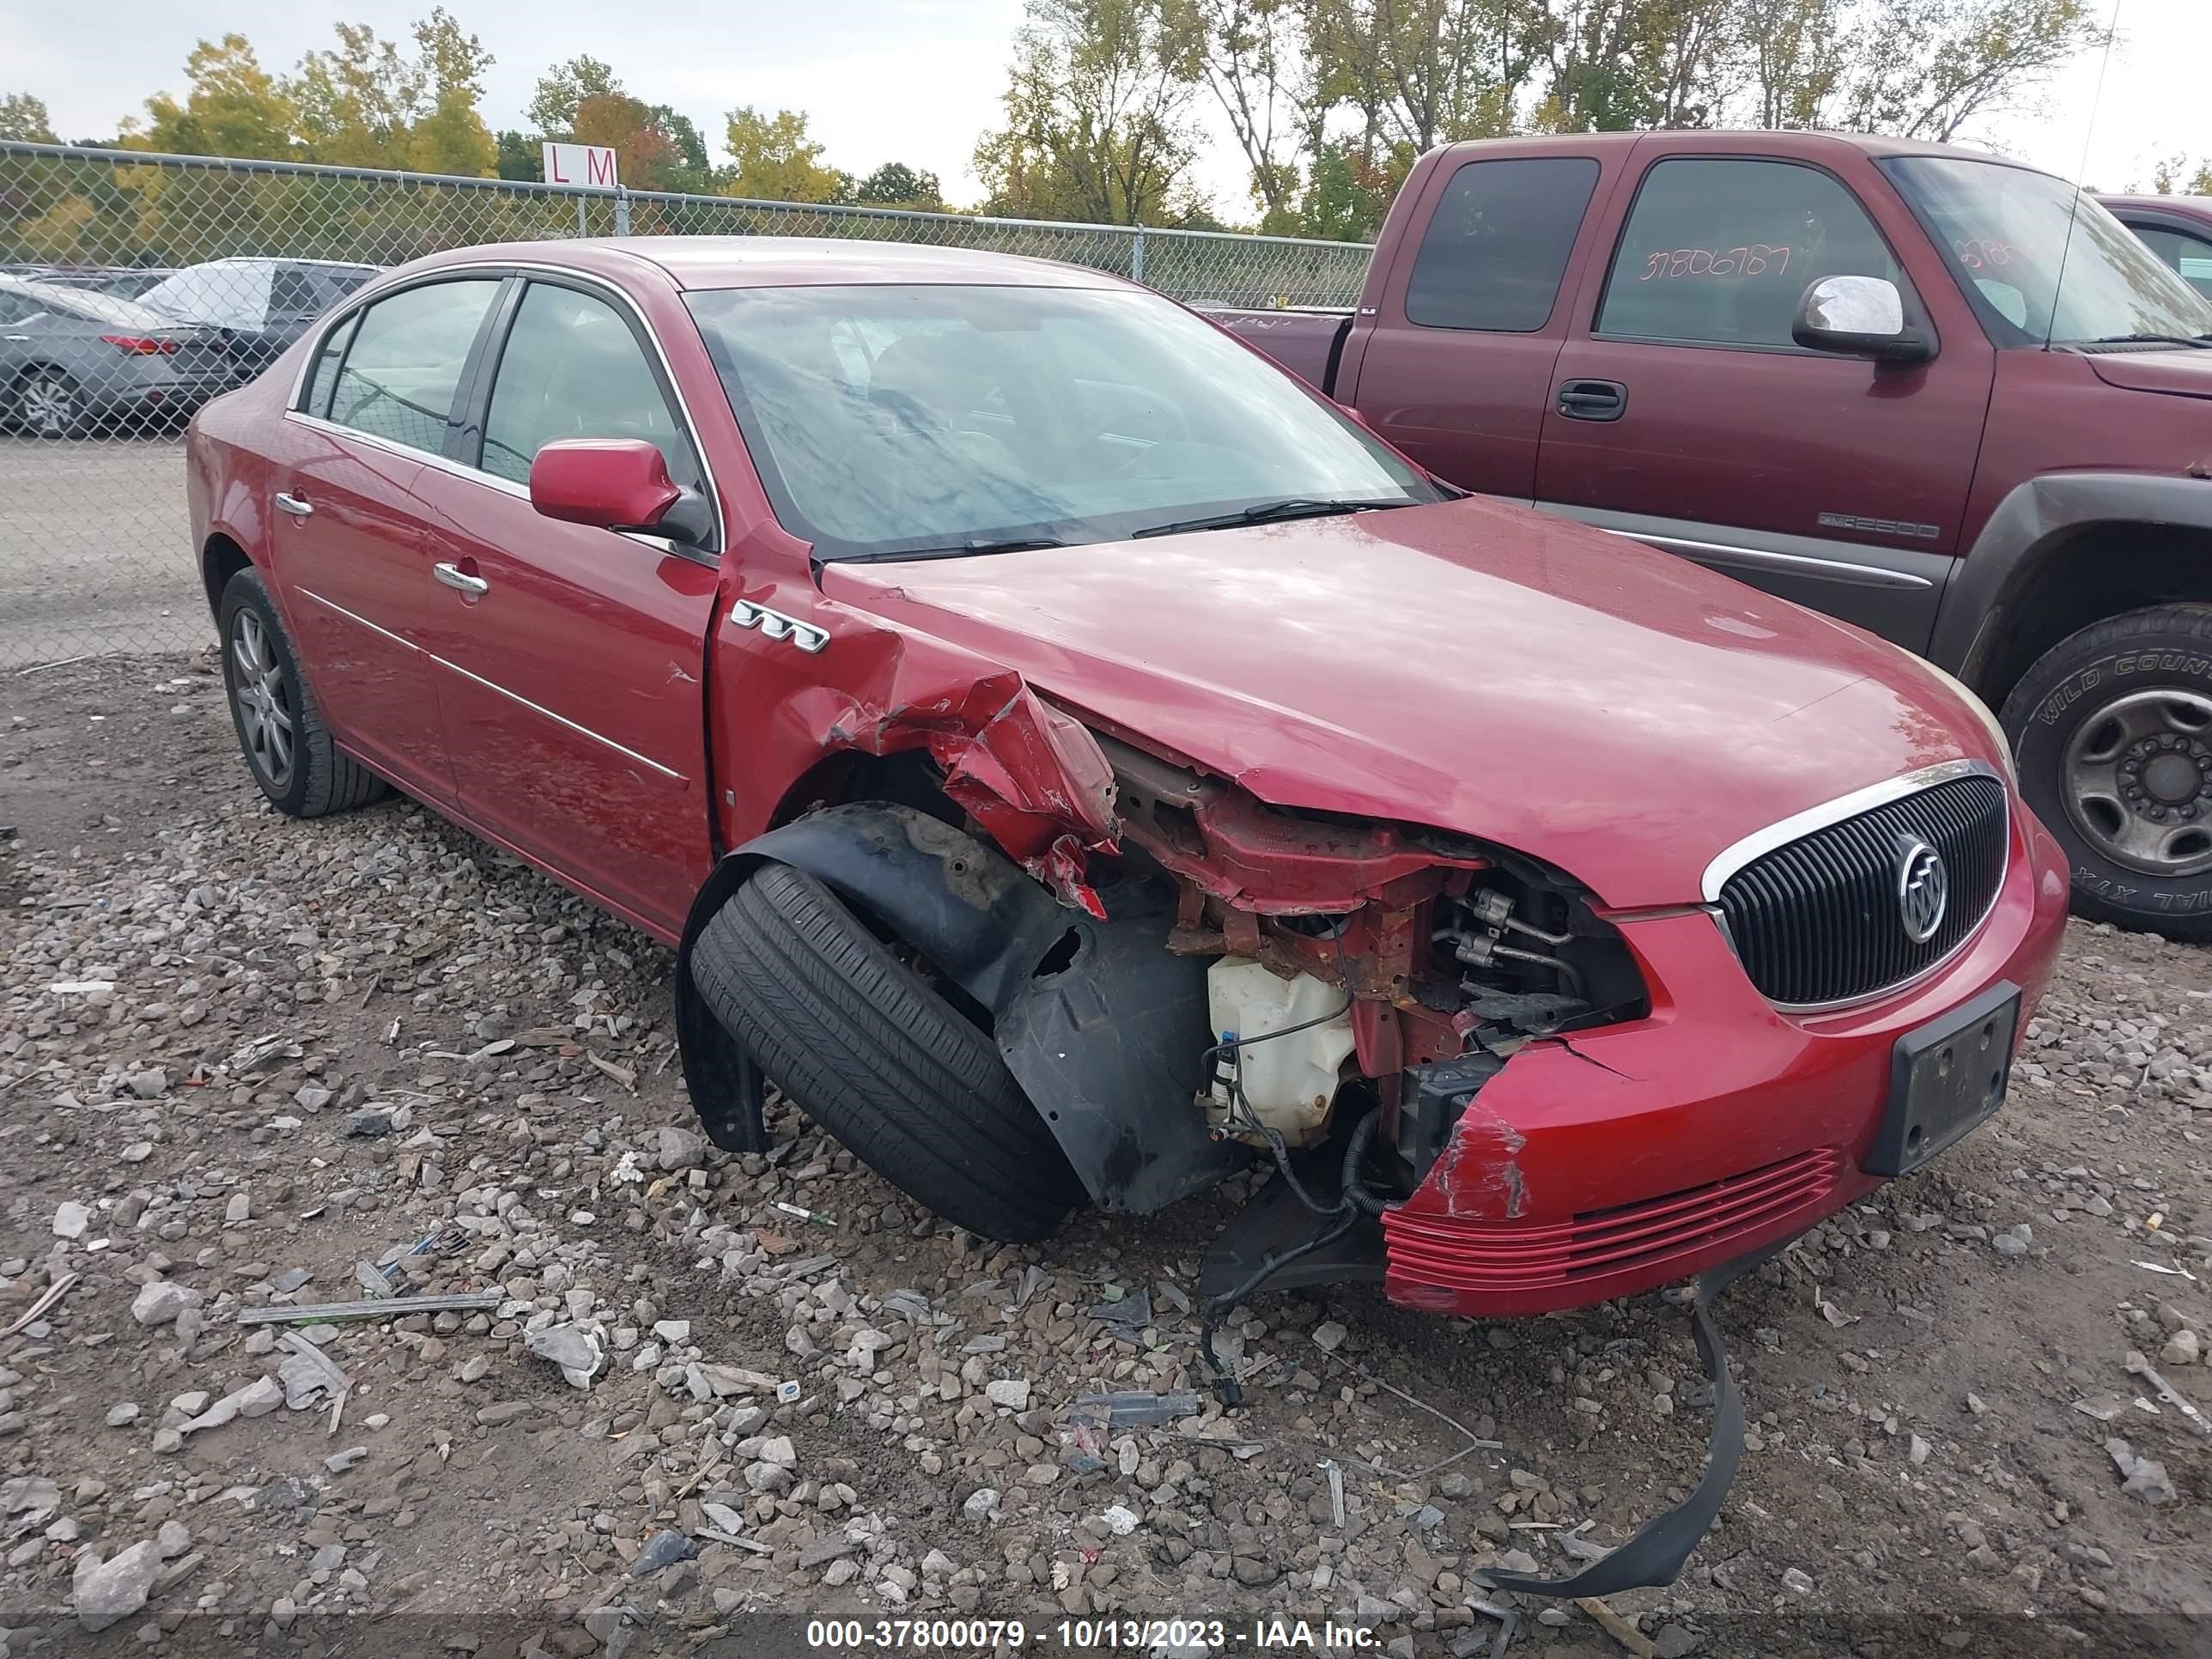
pixel 876 1057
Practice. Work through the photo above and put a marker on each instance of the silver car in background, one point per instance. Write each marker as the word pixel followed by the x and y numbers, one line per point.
pixel 71 360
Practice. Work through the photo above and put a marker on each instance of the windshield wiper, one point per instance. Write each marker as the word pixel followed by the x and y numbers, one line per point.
pixel 958 551
pixel 2197 340
pixel 1298 507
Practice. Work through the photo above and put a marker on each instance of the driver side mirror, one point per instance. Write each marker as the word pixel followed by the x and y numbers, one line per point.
pixel 617 484
pixel 1859 317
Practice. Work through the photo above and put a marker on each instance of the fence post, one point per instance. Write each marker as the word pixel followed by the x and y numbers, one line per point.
pixel 622 211
pixel 1137 255
pixel 582 229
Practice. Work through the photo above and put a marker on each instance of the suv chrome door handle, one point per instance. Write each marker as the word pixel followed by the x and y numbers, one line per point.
pixel 453 576
pixel 293 505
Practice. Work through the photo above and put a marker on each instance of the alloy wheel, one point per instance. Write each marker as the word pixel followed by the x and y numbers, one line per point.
pixel 262 693
pixel 2138 776
pixel 46 404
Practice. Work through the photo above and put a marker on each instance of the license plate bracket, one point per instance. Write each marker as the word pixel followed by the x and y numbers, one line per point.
pixel 1944 1078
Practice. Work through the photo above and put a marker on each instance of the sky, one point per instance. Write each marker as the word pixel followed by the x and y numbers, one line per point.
pixel 917 81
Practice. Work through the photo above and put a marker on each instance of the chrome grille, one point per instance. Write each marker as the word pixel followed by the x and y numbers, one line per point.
pixel 1816 921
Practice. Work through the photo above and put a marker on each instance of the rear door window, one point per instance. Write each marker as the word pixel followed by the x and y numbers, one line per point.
pixel 406 363
pixel 2190 255
pixel 571 368
pixel 1719 252
pixel 1497 247
pixel 292 293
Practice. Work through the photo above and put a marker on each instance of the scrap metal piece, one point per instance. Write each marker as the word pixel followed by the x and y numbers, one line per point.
pixel 388 1308
pixel 2139 1366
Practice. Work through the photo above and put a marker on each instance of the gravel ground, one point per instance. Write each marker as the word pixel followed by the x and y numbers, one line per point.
pixel 242 1057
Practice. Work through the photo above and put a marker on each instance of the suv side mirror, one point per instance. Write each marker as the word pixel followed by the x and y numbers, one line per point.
pixel 617 484
pixel 1858 317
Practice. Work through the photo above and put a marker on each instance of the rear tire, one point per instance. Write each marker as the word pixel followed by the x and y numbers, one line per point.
pixel 279 724
pixel 2112 730
pixel 871 1053
pixel 48 404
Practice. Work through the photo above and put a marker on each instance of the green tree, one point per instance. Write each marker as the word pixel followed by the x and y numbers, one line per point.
pixel 553 106
pixel 232 107
pixel 449 135
pixel 1929 69
pixel 772 159
pixel 1098 124
pixel 372 102
pixel 896 184
pixel 1613 65
pixel 24 119
pixel 2173 177
pixel 1252 54
pixel 520 158
pixel 645 155
pixel 1795 54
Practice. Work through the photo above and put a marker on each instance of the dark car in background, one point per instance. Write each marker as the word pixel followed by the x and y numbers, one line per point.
pixel 2177 229
pixel 264 304
pixel 71 359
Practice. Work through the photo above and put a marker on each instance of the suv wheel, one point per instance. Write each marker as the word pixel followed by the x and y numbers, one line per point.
pixel 2112 727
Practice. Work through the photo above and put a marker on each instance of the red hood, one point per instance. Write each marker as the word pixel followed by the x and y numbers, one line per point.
pixel 2185 371
pixel 1472 666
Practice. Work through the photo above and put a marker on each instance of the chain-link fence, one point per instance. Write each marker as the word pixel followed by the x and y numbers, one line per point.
pixel 137 286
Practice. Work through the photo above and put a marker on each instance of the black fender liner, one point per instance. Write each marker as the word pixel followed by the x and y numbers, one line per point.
pixel 1109 1047
pixel 1107 1044
pixel 974 913
pixel 2026 530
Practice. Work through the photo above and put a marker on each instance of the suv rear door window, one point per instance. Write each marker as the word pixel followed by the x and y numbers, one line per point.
pixel 1719 252
pixel 408 352
pixel 571 369
pixel 1497 244
pixel 2190 255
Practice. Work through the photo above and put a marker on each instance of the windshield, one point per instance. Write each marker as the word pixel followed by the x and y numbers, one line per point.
pixel 2006 230
pixel 896 419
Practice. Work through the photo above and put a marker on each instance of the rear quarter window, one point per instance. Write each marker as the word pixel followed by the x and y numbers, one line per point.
pixel 1497 247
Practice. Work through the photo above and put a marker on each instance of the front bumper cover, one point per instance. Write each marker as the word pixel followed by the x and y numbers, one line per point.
pixel 1609 1162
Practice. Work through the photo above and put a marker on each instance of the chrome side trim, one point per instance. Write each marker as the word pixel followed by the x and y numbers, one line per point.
pixel 1852 564
pixel 1762 558
pixel 558 720
pixel 332 605
pixel 1798 825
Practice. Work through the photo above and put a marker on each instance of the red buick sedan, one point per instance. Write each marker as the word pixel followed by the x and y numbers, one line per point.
pixel 1075 761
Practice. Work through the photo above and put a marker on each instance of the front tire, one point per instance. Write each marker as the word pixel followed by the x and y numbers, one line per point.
pixel 279 724
pixel 2112 730
pixel 864 1047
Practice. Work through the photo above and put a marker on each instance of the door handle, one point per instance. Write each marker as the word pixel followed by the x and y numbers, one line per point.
pixel 454 577
pixel 293 505
pixel 1593 400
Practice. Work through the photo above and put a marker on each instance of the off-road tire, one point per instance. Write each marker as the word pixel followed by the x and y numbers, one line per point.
pixel 322 779
pixel 2068 689
pixel 866 1049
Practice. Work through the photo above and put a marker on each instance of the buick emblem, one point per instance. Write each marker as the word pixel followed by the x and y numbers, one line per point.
pixel 1924 888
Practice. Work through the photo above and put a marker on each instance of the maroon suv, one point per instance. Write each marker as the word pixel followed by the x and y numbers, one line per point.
pixel 1935 393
